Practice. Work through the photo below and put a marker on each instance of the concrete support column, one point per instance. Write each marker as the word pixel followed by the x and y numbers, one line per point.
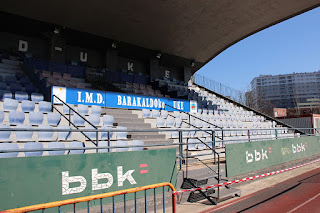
pixel 57 48
pixel 111 59
pixel 187 73
pixel 155 71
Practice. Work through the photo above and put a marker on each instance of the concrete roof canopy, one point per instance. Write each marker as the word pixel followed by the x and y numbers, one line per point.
pixel 197 30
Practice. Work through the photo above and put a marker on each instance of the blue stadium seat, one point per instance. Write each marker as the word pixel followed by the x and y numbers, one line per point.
pixel 5 135
pixel 5 94
pixel 185 134
pixel 82 109
pixel 24 81
pixel 164 113
pixel 201 146
pixel 96 110
pixel 155 113
pixel 137 143
pixel 161 122
pixel 77 120
pixel 43 135
pixel 10 104
pixel 76 144
pixel 57 67
pixel 36 97
pixel 45 106
pixel 94 119
pixel 33 145
pixel 104 135
pixel 35 118
pixel 103 144
pixel 170 122
pixel 108 120
pixel 56 145
pixel 91 135
pixel 9 146
pixel 16 117
pixel 9 79
pixel 76 71
pixel 1 116
pixel 24 135
pixel 146 113
pixel 177 114
pixel 175 134
pixel 20 96
pixel 30 89
pixel 67 110
pixel 192 146
pixel 27 106
pixel 178 122
pixel 124 144
pixel 15 87
pixel 63 136
pixel 192 133
pixel 53 118
pixel 3 86
pixel 41 65
pixel 121 135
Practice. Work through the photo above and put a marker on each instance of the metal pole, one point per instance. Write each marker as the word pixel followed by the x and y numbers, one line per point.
pixel 180 149
pixel 109 141
pixel 213 137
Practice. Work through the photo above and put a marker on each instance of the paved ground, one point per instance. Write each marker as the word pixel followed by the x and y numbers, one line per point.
pixel 276 193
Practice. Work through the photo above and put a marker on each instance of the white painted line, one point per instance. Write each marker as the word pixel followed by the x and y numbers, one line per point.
pixel 304 203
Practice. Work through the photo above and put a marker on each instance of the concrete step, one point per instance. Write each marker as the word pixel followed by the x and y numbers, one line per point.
pixel 135 125
pixel 10 66
pixel 125 116
pixel 12 62
pixel 116 111
pixel 158 141
pixel 128 120
pixel 147 136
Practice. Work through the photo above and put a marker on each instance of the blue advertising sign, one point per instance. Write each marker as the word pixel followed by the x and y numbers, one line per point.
pixel 118 100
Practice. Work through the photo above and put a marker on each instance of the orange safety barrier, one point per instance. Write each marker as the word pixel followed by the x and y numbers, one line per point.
pixel 95 197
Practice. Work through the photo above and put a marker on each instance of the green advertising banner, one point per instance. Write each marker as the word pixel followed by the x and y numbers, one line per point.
pixel 35 180
pixel 251 156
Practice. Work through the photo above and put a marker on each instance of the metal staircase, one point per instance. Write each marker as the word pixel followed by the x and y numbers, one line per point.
pixel 191 181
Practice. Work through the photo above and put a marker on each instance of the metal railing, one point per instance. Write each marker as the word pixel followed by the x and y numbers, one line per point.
pixel 220 88
pixel 278 133
pixel 100 197
pixel 69 119
pixel 206 84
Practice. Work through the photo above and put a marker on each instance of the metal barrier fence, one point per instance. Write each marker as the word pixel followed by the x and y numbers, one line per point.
pixel 220 88
pixel 229 136
pixel 100 197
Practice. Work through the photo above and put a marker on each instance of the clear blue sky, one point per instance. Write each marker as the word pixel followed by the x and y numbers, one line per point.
pixel 290 46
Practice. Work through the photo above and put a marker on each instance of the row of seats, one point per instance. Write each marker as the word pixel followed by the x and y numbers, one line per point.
pixel 140 89
pixel 23 132
pixel 62 79
pixel 33 118
pixel 26 105
pixel 75 147
pixel 20 96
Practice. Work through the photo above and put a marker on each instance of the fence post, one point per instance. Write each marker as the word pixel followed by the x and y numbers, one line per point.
pixel 109 141
pixel 213 135
pixel 180 149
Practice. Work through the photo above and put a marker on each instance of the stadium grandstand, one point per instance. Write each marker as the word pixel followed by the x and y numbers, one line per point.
pixel 85 85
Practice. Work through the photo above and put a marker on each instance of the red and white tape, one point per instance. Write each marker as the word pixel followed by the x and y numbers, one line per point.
pixel 245 179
